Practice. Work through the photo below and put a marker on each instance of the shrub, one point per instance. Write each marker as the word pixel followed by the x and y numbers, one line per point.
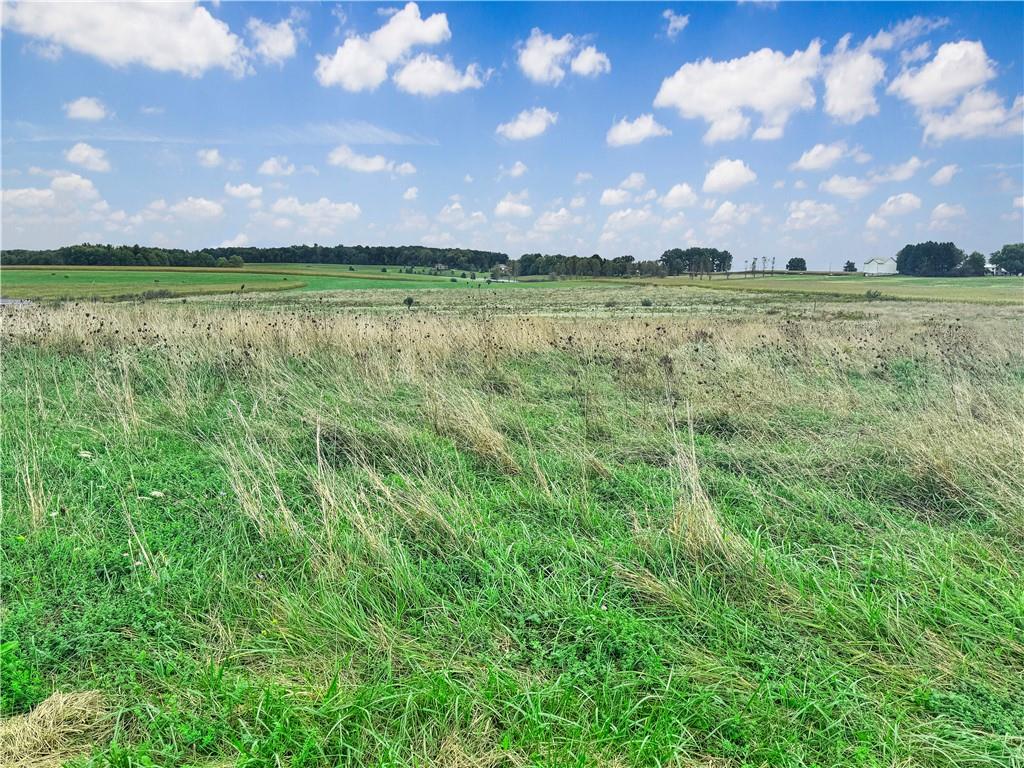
pixel 408 301
pixel 646 302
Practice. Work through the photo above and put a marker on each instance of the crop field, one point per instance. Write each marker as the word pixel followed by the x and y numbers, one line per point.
pixel 611 526
pixel 990 290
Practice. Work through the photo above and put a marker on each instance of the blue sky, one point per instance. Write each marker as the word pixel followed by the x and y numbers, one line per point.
pixel 829 131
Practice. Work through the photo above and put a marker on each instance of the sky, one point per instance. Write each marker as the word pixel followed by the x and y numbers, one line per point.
pixel 830 131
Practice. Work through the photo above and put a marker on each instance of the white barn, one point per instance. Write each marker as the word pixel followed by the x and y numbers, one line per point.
pixel 880 265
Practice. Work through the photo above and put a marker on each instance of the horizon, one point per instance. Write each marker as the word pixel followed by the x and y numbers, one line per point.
pixel 829 132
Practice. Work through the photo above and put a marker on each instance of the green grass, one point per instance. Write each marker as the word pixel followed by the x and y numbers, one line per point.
pixel 518 528
pixel 49 283
pixel 992 290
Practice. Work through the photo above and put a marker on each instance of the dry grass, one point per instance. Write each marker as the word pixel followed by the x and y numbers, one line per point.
pixel 63 727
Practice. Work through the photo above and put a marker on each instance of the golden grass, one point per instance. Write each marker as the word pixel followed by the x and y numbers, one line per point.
pixel 63 727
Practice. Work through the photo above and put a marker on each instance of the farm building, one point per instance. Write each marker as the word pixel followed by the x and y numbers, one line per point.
pixel 880 265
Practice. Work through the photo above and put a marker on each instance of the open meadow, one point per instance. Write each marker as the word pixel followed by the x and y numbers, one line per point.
pixel 611 526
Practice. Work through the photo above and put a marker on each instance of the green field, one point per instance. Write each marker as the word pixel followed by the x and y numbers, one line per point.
pixel 992 290
pixel 623 525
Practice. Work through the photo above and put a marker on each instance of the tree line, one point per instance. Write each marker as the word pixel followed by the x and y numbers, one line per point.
pixel 933 259
pixel 675 261
pixel 89 254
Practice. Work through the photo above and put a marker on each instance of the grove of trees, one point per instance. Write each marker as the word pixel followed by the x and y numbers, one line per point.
pixel 933 259
pixel 796 264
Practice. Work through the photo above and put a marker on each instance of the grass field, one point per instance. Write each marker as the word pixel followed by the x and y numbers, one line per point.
pixel 991 290
pixel 615 526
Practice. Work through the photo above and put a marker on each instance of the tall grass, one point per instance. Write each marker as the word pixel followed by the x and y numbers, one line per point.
pixel 313 534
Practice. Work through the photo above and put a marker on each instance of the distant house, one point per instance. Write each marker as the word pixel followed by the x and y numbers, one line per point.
pixel 880 265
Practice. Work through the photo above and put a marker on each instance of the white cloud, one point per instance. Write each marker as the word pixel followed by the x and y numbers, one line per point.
pixel 454 215
pixel 674 23
pixel 542 57
pixel 197 209
pixel 29 198
pixel 615 197
pixel 980 113
pixel 728 175
pixel 876 222
pixel 625 220
pixel 635 181
pixel 849 187
pixel 277 166
pixel 680 196
pixel 944 213
pixel 243 191
pixel 210 158
pixel 957 73
pixel 468 179
pixel 583 177
pixel 820 156
pixel 633 132
pixel 169 37
pixel 956 69
pixel 810 214
pixel 527 124
pixel 850 80
pixel 729 215
pixel 71 184
pixel 555 221
pixel 344 156
pixel 88 157
pixel 361 63
pixel 238 241
pixel 85 108
pixel 428 75
pixel 320 217
pixel 721 92
pixel 578 202
pixel 898 172
pixel 275 43
pixel 899 205
pixel 513 205
pixel 1018 202
pixel 944 175
pixel 411 193
pixel 518 169
pixel 590 62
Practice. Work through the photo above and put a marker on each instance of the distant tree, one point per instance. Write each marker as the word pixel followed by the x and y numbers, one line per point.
pixel 236 261
pixel 408 301
pixel 221 262
pixel 973 265
pixel 849 267
pixel 929 259
pixel 796 264
pixel 1009 258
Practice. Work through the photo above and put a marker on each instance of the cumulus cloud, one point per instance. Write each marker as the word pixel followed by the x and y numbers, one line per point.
pixel 635 180
pixel 850 187
pixel 28 198
pixel 628 131
pixel 615 197
pixel 85 108
pixel 729 215
pixel 361 63
pixel 810 214
pixel 528 124
pixel 243 191
pixel 944 214
pixel 950 98
pixel 274 43
pixel 944 175
pixel 898 172
pixel 728 175
pixel 723 92
pixel 238 241
pixel 454 215
pixel 674 23
pixel 625 220
pixel 820 156
pixel 71 184
pixel 197 209
pixel 899 205
pixel 168 37
pixel 851 77
pixel 583 177
pixel 411 193
pixel 518 169
pixel 680 196
pixel 321 217
pixel 590 62
pixel 513 206
pixel 428 75
pixel 209 158
pixel 345 157
pixel 555 221
pixel 88 157
pixel 277 166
